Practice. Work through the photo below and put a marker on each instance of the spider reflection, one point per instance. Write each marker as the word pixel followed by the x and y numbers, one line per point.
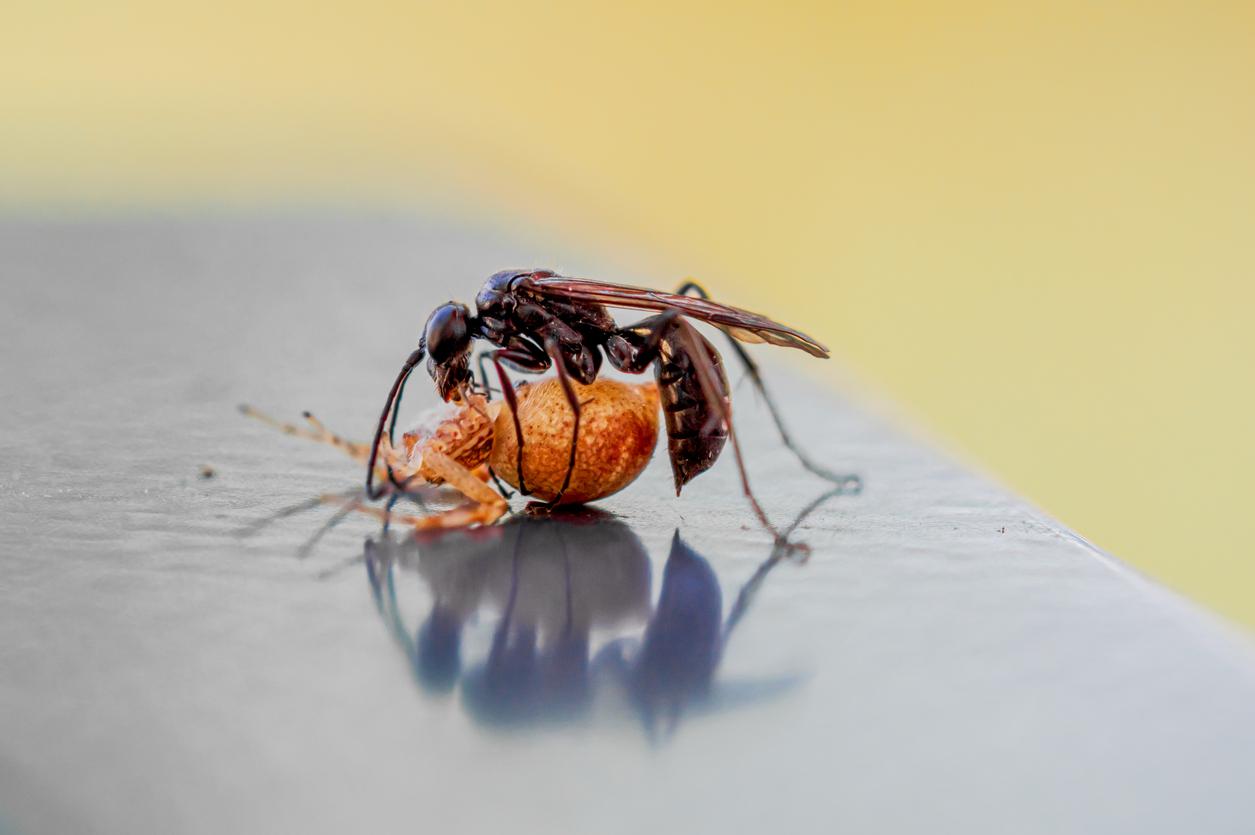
pixel 574 625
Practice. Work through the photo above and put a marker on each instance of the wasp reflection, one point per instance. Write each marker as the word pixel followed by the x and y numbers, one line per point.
pixel 573 622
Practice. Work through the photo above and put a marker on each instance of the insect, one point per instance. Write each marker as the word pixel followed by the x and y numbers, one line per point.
pixel 538 319
pixel 457 446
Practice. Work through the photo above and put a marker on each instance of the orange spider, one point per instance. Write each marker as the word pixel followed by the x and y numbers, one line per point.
pixel 463 446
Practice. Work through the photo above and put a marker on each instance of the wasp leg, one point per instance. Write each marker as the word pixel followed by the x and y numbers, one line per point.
pixel 708 377
pixel 512 403
pixel 483 373
pixel 634 348
pixel 505 491
pixel 637 345
pixel 573 400
pixel 692 444
pixel 848 482
pixel 748 591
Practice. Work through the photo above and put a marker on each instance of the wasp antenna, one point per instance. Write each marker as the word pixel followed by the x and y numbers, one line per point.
pixel 390 409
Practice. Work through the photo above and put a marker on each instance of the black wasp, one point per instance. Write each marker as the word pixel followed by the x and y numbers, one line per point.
pixel 538 319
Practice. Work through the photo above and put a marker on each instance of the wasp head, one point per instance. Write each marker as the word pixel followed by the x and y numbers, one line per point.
pixel 448 339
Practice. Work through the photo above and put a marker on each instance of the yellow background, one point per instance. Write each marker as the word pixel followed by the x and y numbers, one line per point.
pixel 1031 223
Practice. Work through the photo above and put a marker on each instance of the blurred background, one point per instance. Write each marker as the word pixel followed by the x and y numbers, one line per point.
pixel 1029 224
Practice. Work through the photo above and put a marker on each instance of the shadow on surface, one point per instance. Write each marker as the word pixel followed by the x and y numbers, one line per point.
pixel 575 628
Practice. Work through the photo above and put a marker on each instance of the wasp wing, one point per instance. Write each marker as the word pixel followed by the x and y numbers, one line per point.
pixel 737 323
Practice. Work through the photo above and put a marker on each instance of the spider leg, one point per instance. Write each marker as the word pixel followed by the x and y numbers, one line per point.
pixel 848 482
pixel 488 506
pixel 465 515
pixel 400 473
pixel 460 478
pixel 316 431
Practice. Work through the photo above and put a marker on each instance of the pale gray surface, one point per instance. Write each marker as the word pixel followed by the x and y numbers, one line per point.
pixel 949 661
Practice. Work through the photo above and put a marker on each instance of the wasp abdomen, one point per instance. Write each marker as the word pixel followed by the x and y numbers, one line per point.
pixel 692 443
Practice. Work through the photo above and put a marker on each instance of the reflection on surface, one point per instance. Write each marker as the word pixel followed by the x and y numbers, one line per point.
pixel 568 598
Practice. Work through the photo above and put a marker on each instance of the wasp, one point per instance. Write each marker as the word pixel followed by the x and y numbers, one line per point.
pixel 537 320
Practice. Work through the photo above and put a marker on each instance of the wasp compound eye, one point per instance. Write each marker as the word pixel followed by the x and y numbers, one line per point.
pixel 448 332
